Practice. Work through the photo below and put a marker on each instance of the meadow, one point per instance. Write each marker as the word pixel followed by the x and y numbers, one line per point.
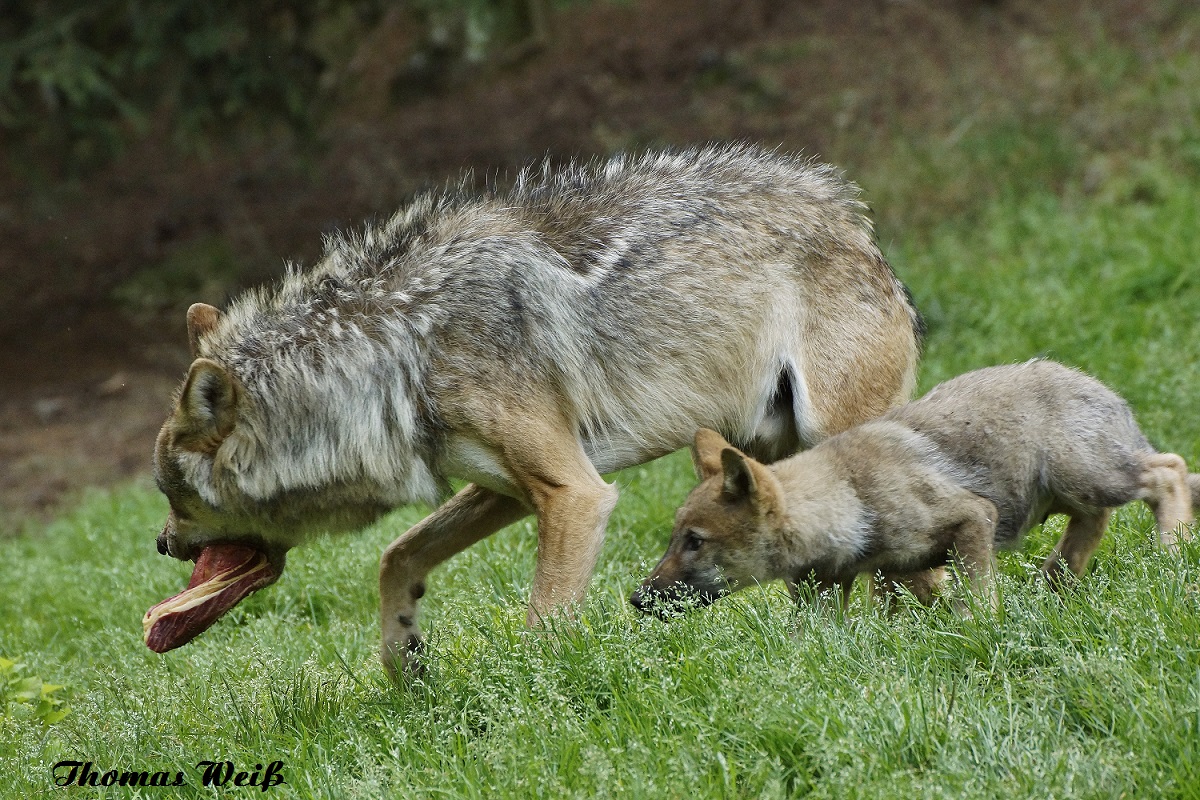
pixel 1092 693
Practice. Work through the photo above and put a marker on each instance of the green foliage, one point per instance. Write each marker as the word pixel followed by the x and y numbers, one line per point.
pixel 82 73
pixel 1107 284
pixel 27 697
pixel 473 26
pixel 464 33
pixel 203 268
pixel 80 76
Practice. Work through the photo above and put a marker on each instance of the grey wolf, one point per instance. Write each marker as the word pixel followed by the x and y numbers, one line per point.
pixel 969 467
pixel 586 320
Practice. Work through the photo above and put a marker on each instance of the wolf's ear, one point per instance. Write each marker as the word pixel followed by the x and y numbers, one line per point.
pixel 201 318
pixel 746 479
pixel 706 453
pixel 207 408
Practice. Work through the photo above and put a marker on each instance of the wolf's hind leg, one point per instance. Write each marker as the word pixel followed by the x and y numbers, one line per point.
pixel 472 514
pixel 571 523
pixel 1164 485
pixel 1074 550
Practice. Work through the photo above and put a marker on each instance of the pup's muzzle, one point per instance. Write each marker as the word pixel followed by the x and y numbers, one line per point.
pixel 671 600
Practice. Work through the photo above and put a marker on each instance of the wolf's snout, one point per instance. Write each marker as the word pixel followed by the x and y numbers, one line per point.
pixel 162 543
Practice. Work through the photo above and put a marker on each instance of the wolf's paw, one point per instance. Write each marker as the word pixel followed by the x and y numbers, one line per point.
pixel 402 660
pixel 402 650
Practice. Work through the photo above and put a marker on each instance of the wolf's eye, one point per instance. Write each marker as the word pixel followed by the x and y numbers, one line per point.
pixel 692 542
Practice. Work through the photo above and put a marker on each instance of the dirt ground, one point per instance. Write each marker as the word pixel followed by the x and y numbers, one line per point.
pixel 98 271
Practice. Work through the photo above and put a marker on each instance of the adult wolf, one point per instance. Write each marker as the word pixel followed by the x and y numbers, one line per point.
pixel 586 320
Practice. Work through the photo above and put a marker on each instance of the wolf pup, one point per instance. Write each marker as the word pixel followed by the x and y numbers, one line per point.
pixel 526 341
pixel 968 468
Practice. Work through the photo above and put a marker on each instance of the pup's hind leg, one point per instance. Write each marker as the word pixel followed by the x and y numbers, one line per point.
pixel 1163 484
pixel 1074 550
pixel 472 514
pixel 923 585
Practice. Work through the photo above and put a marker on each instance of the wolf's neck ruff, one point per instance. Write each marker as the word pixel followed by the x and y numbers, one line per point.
pixel 334 399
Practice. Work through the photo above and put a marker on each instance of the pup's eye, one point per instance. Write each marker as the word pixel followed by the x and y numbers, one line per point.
pixel 692 543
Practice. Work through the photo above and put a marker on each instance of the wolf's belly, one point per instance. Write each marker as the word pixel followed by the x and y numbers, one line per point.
pixel 475 461
pixel 472 460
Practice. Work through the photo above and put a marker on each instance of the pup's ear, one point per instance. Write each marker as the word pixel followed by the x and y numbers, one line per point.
pixel 746 479
pixel 739 482
pixel 706 453
pixel 201 318
pixel 207 409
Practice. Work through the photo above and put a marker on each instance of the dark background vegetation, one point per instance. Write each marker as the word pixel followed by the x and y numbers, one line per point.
pixel 159 154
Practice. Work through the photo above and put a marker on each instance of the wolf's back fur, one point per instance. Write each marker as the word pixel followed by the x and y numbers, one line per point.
pixel 648 295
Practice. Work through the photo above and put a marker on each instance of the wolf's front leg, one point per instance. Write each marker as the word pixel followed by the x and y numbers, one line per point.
pixel 472 514
pixel 573 504
pixel 571 525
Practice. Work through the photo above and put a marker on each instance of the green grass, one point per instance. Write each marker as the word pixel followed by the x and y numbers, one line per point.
pixel 1092 694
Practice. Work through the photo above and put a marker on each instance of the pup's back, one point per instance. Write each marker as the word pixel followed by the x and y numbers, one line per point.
pixel 1034 438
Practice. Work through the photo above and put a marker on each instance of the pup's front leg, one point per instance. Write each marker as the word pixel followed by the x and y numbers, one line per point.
pixel 974 523
pixel 472 514
pixel 1074 550
pixel 812 588
pixel 886 585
